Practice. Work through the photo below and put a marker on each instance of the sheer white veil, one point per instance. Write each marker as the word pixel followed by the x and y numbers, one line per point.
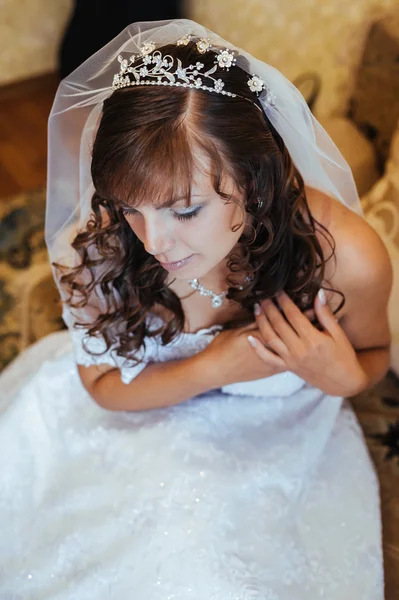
pixel 77 108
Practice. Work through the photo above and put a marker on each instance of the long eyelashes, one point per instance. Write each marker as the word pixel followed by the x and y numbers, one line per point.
pixel 187 216
pixel 179 217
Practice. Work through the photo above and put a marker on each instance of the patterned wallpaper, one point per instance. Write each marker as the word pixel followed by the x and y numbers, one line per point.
pixel 30 31
pixel 294 36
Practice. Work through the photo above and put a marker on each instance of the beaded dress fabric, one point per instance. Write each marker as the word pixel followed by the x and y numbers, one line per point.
pixel 257 490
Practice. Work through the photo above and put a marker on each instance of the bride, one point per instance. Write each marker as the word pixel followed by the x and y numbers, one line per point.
pixel 188 437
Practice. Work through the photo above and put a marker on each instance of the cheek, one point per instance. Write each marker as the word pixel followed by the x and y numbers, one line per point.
pixel 228 224
pixel 136 229
pixel 214 232
pixel 223 219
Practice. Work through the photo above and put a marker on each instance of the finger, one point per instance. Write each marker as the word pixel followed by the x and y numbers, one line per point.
pixel 269 336
pixel 264 353
pixel 310 314
pixel 325 315
pixel 295 317
pixel 283 329
pixel 250 326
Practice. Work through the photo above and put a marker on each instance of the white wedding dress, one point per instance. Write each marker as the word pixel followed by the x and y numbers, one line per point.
pixel 261 490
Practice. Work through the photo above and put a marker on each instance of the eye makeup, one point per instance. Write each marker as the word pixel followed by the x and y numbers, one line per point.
pixel 183 216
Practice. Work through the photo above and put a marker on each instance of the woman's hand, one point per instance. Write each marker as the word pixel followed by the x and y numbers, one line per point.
pixel 325 359
pixel 230 359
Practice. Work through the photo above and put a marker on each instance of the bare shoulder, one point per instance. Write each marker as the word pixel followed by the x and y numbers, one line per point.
pixel 362 266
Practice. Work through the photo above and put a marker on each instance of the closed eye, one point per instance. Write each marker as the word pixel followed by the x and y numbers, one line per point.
pixel 181 216
pixel 128 211
pixel 186 216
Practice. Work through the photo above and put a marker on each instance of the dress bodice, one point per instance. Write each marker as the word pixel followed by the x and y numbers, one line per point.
pixel 183 346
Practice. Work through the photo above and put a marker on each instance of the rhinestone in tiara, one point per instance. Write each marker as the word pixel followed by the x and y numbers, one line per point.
pixel 150 67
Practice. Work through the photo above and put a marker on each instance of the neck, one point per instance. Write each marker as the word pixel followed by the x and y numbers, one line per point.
pixel 216 279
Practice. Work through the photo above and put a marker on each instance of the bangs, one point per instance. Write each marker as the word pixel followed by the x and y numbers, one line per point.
pixel 158 167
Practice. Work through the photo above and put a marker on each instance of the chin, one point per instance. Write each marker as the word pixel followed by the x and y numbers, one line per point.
pixel 197 271
pixel 185 275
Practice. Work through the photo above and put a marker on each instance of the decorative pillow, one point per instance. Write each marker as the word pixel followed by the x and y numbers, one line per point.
pixel 381 206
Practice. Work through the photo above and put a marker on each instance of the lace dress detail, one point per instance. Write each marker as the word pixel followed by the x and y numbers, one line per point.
pixel 186 344
pixel 259 491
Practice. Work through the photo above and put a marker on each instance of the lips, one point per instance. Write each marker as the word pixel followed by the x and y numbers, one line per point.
pixel 180 264
pixel 174 262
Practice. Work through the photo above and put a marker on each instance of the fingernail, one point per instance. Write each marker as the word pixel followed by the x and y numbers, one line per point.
pixel 322 296
pixel 252 341
pixel 257 309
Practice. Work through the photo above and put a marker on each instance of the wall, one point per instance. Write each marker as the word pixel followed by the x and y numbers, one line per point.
pixel 30 31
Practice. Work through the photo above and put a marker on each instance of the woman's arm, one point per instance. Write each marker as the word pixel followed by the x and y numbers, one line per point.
pixel 375 364
pixel 364 274
pixel 157 386
pixel 342 359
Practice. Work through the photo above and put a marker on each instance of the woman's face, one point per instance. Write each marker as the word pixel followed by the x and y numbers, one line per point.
pixel 200 233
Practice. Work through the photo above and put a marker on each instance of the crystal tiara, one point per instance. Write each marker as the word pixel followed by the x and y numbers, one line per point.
pixel 151 68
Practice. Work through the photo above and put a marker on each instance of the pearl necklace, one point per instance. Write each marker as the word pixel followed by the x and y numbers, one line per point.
pixel 217 299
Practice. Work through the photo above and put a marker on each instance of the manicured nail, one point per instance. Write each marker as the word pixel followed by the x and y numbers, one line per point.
pixel 322 296
pixel 257 309
pixel 252 341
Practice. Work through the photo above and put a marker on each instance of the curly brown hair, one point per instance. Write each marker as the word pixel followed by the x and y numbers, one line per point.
pixel 145 151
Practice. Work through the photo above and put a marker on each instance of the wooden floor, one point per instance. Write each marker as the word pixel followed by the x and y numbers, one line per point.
pixel 24 110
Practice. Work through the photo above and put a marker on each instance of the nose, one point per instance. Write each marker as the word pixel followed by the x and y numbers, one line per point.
pixel 157 240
